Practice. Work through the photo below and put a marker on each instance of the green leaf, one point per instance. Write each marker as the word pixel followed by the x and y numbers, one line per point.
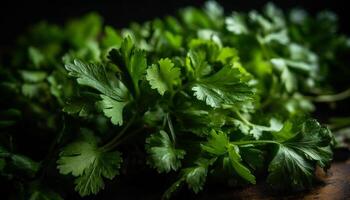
pixel 199 118
pixel 213 10
pixel 236 163
pixel 33 76
pixel 196 176
pixel 77 157
pixel 89 164
pixel 236 24
pixel 297 154
pixel 131 61
pixel 95 76
pixel 287 77
pixel 257 130
pixel 162 152
pixel 113 109
pixel 80 106
pixel 163 76
pixel 36 56
pixel 111 38
pixel 106 165
pixel 18 162
pixel 227 86
pixel 287 161
pixel 137 66
pixel 81 31
pixel 32 90
pixel 39 193
pixel 196 64
pixel 114 94
pixel 217 143
pixel 253 157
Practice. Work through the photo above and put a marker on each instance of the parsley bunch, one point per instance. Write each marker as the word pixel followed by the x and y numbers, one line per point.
pixel 200 95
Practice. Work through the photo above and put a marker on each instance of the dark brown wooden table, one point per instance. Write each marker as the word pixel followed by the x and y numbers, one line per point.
pixel 333 185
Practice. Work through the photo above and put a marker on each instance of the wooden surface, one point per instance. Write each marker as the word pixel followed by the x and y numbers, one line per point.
pixel 333 185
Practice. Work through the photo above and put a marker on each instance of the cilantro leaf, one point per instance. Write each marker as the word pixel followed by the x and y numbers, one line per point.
pixel 76 157
pixel 40 192
pixel 131 61
pixel 297 153
pixel 253 157
pixel 89 164
pixel 112 109
pixel 106 165
pixel 217 143
pixel 236 24
pixel 114 93
pixel 236 163
pixel 95 76
pixel 80 106
pixel 287 161
pixel 112 38
pixel 227 86
pixel 195 177
pixel 163 76
pixel 163 154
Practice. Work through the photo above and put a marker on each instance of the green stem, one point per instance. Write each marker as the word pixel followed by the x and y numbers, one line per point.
pixel 244 120
pixel 111 144
pixel 126 137
pixel 254 142
pixel 51 150
pixel 171 128
pixel 338 123
pixel 264 49
pixel 333 97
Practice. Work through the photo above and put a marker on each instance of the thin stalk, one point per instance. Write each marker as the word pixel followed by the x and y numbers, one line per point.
pixel 51 150
pixel 333 97
pixel 110 145
pixel 244 120
pixel 254 142
pixel 171 128
pixel 339 123
pixel 126 137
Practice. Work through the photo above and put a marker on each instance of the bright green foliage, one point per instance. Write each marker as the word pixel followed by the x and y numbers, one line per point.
pixel 296 154
pixel 114 95
pixel 164 76
pixel 163 154
pixel 219 145
pixel 195 177
pixel 95 76
pixel 89 164
pixel 235 160
pixel 197 96
pixel 113 109
pixel 224 87
pixel 131 61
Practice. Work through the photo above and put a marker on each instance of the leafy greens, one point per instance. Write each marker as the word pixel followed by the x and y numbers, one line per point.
pixel 199 94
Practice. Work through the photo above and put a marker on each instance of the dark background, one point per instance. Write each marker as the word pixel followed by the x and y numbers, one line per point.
pixel 16 16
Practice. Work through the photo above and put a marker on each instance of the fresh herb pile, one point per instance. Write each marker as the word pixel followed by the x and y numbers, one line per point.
pixel 198 95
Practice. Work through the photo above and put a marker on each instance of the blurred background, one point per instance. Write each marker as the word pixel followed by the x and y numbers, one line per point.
pixel 16 16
